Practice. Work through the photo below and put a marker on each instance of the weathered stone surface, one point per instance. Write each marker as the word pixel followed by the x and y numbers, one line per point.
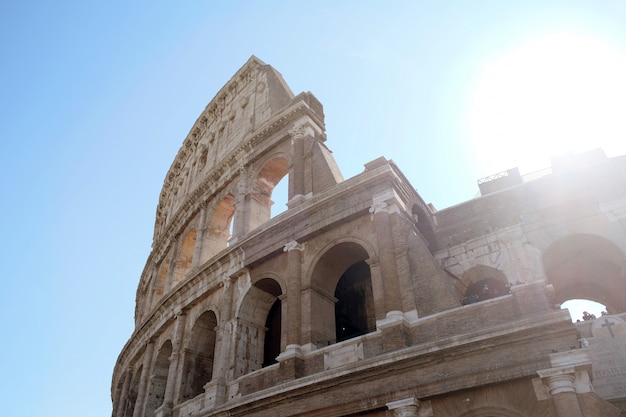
pixel 362 299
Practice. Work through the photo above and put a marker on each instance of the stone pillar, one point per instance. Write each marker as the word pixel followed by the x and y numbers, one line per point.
pixel 224 350
pixel 142 391
pixel 200 231
pixel 120 404
pixel 172 266
pixel 173 376
pixel 151 288
pixel 410 407
pixel 403 265
pixel 387 257
pixel 296 189
pixel 290 358
pixel 294 272
pixel 560 381
pixel 240 218
pixel 377 288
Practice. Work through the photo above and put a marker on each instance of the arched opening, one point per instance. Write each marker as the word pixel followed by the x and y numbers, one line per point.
pixel 218 229
pixel 158 379
pixel 258 333
pixel 185 257
pixel 584 310
pixel 341 298
pixel 587 267
pixel 354 309
pixel 482 283
pixel 199 356
pixel 263 187
pixel 280 196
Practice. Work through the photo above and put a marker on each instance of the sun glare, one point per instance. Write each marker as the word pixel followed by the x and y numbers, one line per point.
pixel 557 94
pixel 577 308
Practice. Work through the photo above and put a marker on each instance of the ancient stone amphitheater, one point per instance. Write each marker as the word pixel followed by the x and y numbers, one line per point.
pixel 360 298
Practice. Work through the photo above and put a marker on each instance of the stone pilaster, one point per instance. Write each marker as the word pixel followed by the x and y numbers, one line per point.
pixel 150 296
pixel 240 218
pixel 200 231
pixel 382 224
pixel 293 310
pixel 560 382
pixel 224 346
pixel 174 373
pixel 172 266
pixel 296 188
pixel 142 391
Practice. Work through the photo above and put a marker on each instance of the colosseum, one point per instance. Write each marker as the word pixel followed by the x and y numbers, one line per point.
pixel 361 299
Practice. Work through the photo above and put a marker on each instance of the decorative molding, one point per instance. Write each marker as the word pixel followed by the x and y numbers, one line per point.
pixel 305 127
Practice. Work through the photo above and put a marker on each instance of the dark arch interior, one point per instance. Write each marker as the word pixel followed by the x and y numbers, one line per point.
pixel 354 310
pixel 199 356
pixel 484 289
pixel 271 348
pixel 273 328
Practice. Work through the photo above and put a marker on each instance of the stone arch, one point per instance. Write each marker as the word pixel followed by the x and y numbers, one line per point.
pixel 262 185
pixel 158 379
pixel 586 266
pixel 481 282
pixel 185 256
pixel 159 284
pixel 217 231
pixel 262 300
pixel 341 271
pixel 199 355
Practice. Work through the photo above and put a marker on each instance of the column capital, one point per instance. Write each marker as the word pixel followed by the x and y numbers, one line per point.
pixel 410 407
pixel 304 127
pixel 559 380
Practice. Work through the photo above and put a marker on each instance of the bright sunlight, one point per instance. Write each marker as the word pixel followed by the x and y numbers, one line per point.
pixel 556 94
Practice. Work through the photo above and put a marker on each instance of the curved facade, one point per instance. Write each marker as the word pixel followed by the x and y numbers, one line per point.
pixel 361 299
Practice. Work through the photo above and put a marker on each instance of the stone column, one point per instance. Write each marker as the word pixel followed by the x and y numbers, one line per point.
pixel 294 272
pixel 142 390
pixel 240 218
pixel 410 407
pixel 387 257
pixel 297 174
pixel 560 381
pixel 224 347
pixel 120 404
pixel 173 377
pixel 200 230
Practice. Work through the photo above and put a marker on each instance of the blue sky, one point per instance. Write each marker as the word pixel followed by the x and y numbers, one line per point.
pixel 97 97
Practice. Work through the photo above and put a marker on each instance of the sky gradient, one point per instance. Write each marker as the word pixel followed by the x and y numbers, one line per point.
pixel 97 98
